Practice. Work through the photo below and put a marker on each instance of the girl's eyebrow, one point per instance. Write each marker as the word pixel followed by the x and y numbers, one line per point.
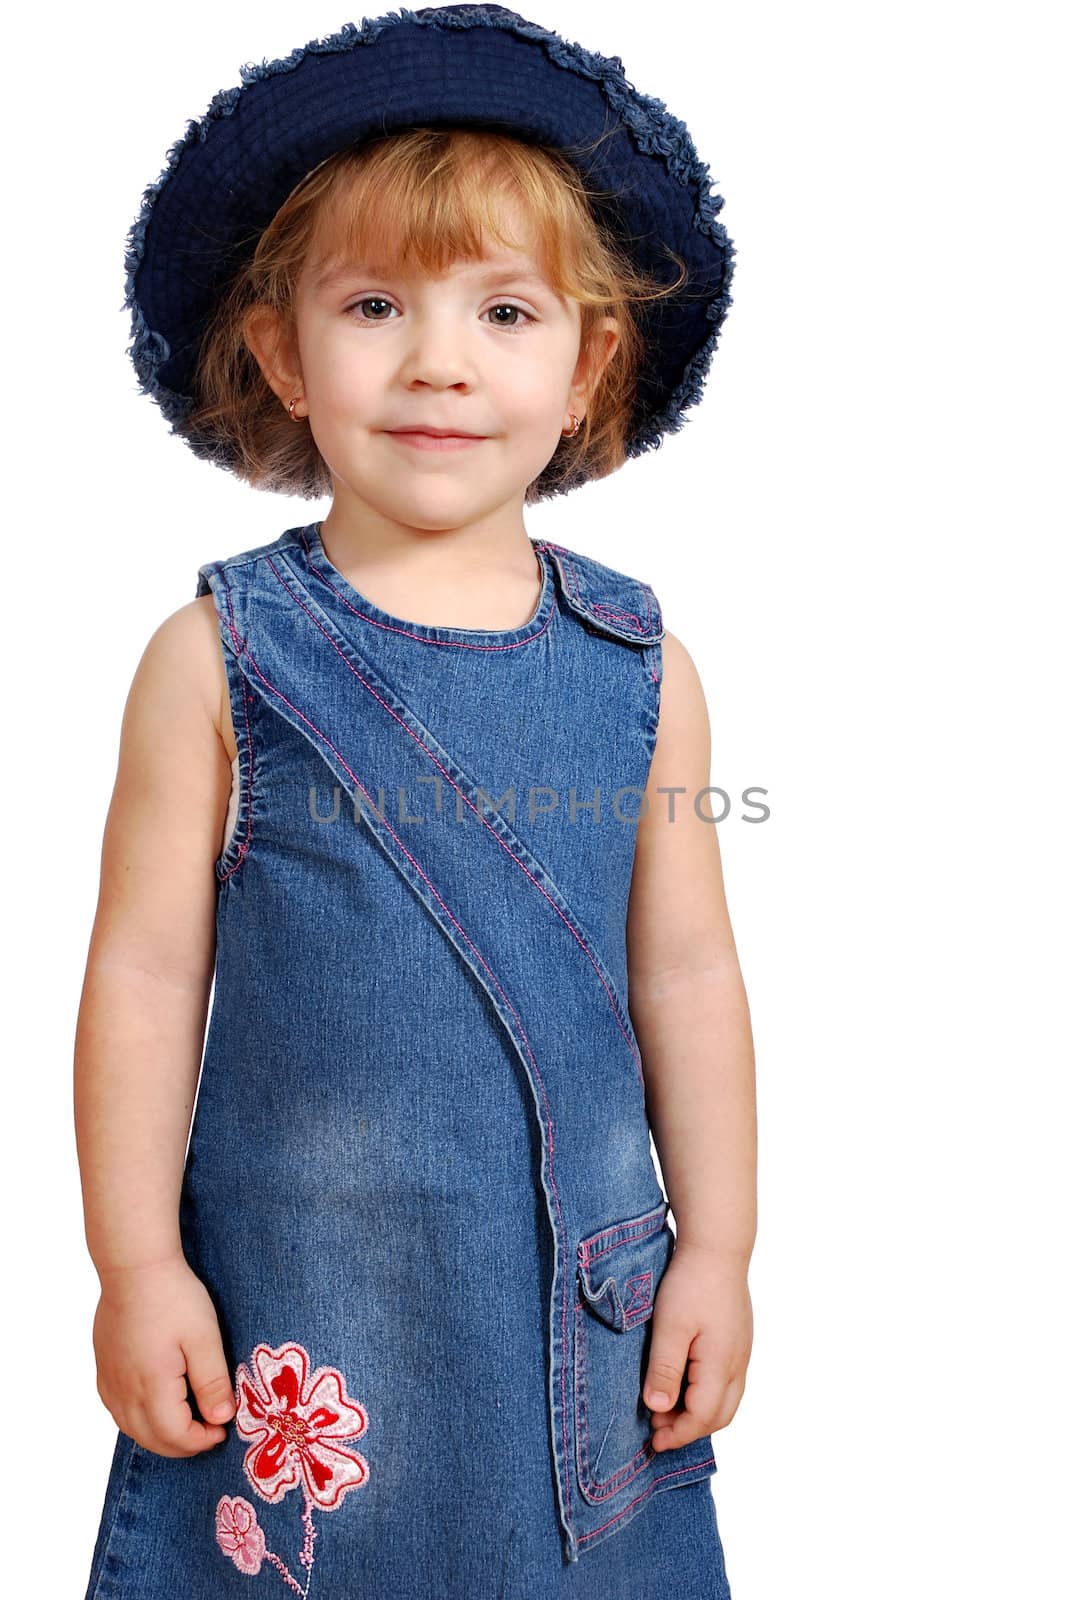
pixel 333 276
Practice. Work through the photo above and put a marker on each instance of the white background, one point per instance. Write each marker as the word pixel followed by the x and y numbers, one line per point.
pixel 860 536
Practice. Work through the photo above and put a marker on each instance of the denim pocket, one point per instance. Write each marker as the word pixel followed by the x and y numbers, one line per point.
pixel 618 1273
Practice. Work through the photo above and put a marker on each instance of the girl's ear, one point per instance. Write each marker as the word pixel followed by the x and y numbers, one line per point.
pixel 602 342
pixel 273 351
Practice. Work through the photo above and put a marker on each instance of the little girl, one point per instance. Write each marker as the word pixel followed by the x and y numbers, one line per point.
pixel 407 1315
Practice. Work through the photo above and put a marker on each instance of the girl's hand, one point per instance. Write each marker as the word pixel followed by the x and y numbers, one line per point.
pixel 702 1321
pixel 155 1328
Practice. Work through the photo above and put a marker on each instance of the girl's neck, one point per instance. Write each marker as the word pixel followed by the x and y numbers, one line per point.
pixel 464 579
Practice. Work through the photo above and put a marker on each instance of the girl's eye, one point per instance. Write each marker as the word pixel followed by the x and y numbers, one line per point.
pixel 507 305
pixel 372 300
pixel 378 300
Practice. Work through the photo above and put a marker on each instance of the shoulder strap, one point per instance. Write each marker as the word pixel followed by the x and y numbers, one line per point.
pixel 623 607
pixel 229 564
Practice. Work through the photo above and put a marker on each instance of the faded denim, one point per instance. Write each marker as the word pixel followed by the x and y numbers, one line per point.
pixel 420 1187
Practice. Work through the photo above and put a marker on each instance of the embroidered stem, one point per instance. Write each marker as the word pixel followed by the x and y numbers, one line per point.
pixel 306 1556
pixel 284 1572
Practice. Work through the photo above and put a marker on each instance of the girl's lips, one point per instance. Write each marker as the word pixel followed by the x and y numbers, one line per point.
pixel 431 441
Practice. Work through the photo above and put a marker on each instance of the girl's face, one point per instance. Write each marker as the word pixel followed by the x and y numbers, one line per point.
pixel 487 349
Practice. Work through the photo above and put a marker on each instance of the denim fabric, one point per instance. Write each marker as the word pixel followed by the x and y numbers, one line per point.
pixel 419 1185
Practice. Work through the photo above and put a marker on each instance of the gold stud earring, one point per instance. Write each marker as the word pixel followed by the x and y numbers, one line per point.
pixel 290 409
pixel 571 433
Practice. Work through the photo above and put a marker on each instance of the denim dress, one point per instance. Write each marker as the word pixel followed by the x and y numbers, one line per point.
pixel 419 1187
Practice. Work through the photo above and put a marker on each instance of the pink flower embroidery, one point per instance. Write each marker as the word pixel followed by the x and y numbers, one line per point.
pixel 239 1534
pixel 296 1422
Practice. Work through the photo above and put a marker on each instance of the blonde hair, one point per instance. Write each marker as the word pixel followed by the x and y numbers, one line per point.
pixel 424 197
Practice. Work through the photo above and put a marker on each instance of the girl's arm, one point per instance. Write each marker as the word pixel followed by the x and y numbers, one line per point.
pixel 691 1018
pixel 141 1019
pixel 686 992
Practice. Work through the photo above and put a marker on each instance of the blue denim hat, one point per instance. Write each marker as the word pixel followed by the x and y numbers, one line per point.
pixel 462 65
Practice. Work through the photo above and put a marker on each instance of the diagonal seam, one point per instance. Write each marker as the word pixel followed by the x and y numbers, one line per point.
pixel 475 811
pixel 243 649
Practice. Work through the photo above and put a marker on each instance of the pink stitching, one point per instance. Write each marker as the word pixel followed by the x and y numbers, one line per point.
pixel 596 1488
pixel 588 1253
pixel 621 616
pixel 568 570
pixel 457 644
pixel 246 700
pixel 639 1284
pixel 574 592
pixel 638 1292
pixel 611 611
pixel 531 1056
pixel 654 1487
pixel 474 809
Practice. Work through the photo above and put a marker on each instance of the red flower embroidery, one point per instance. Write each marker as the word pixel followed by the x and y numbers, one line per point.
pixel 239 1534
pixel 296 1422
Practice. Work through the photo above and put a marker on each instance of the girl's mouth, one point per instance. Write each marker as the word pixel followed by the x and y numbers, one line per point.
pixel 431 441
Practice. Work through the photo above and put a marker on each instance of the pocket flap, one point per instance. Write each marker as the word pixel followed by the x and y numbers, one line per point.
pixel 621 1266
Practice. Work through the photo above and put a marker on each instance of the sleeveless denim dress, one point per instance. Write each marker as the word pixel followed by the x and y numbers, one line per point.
pixel 419 1186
